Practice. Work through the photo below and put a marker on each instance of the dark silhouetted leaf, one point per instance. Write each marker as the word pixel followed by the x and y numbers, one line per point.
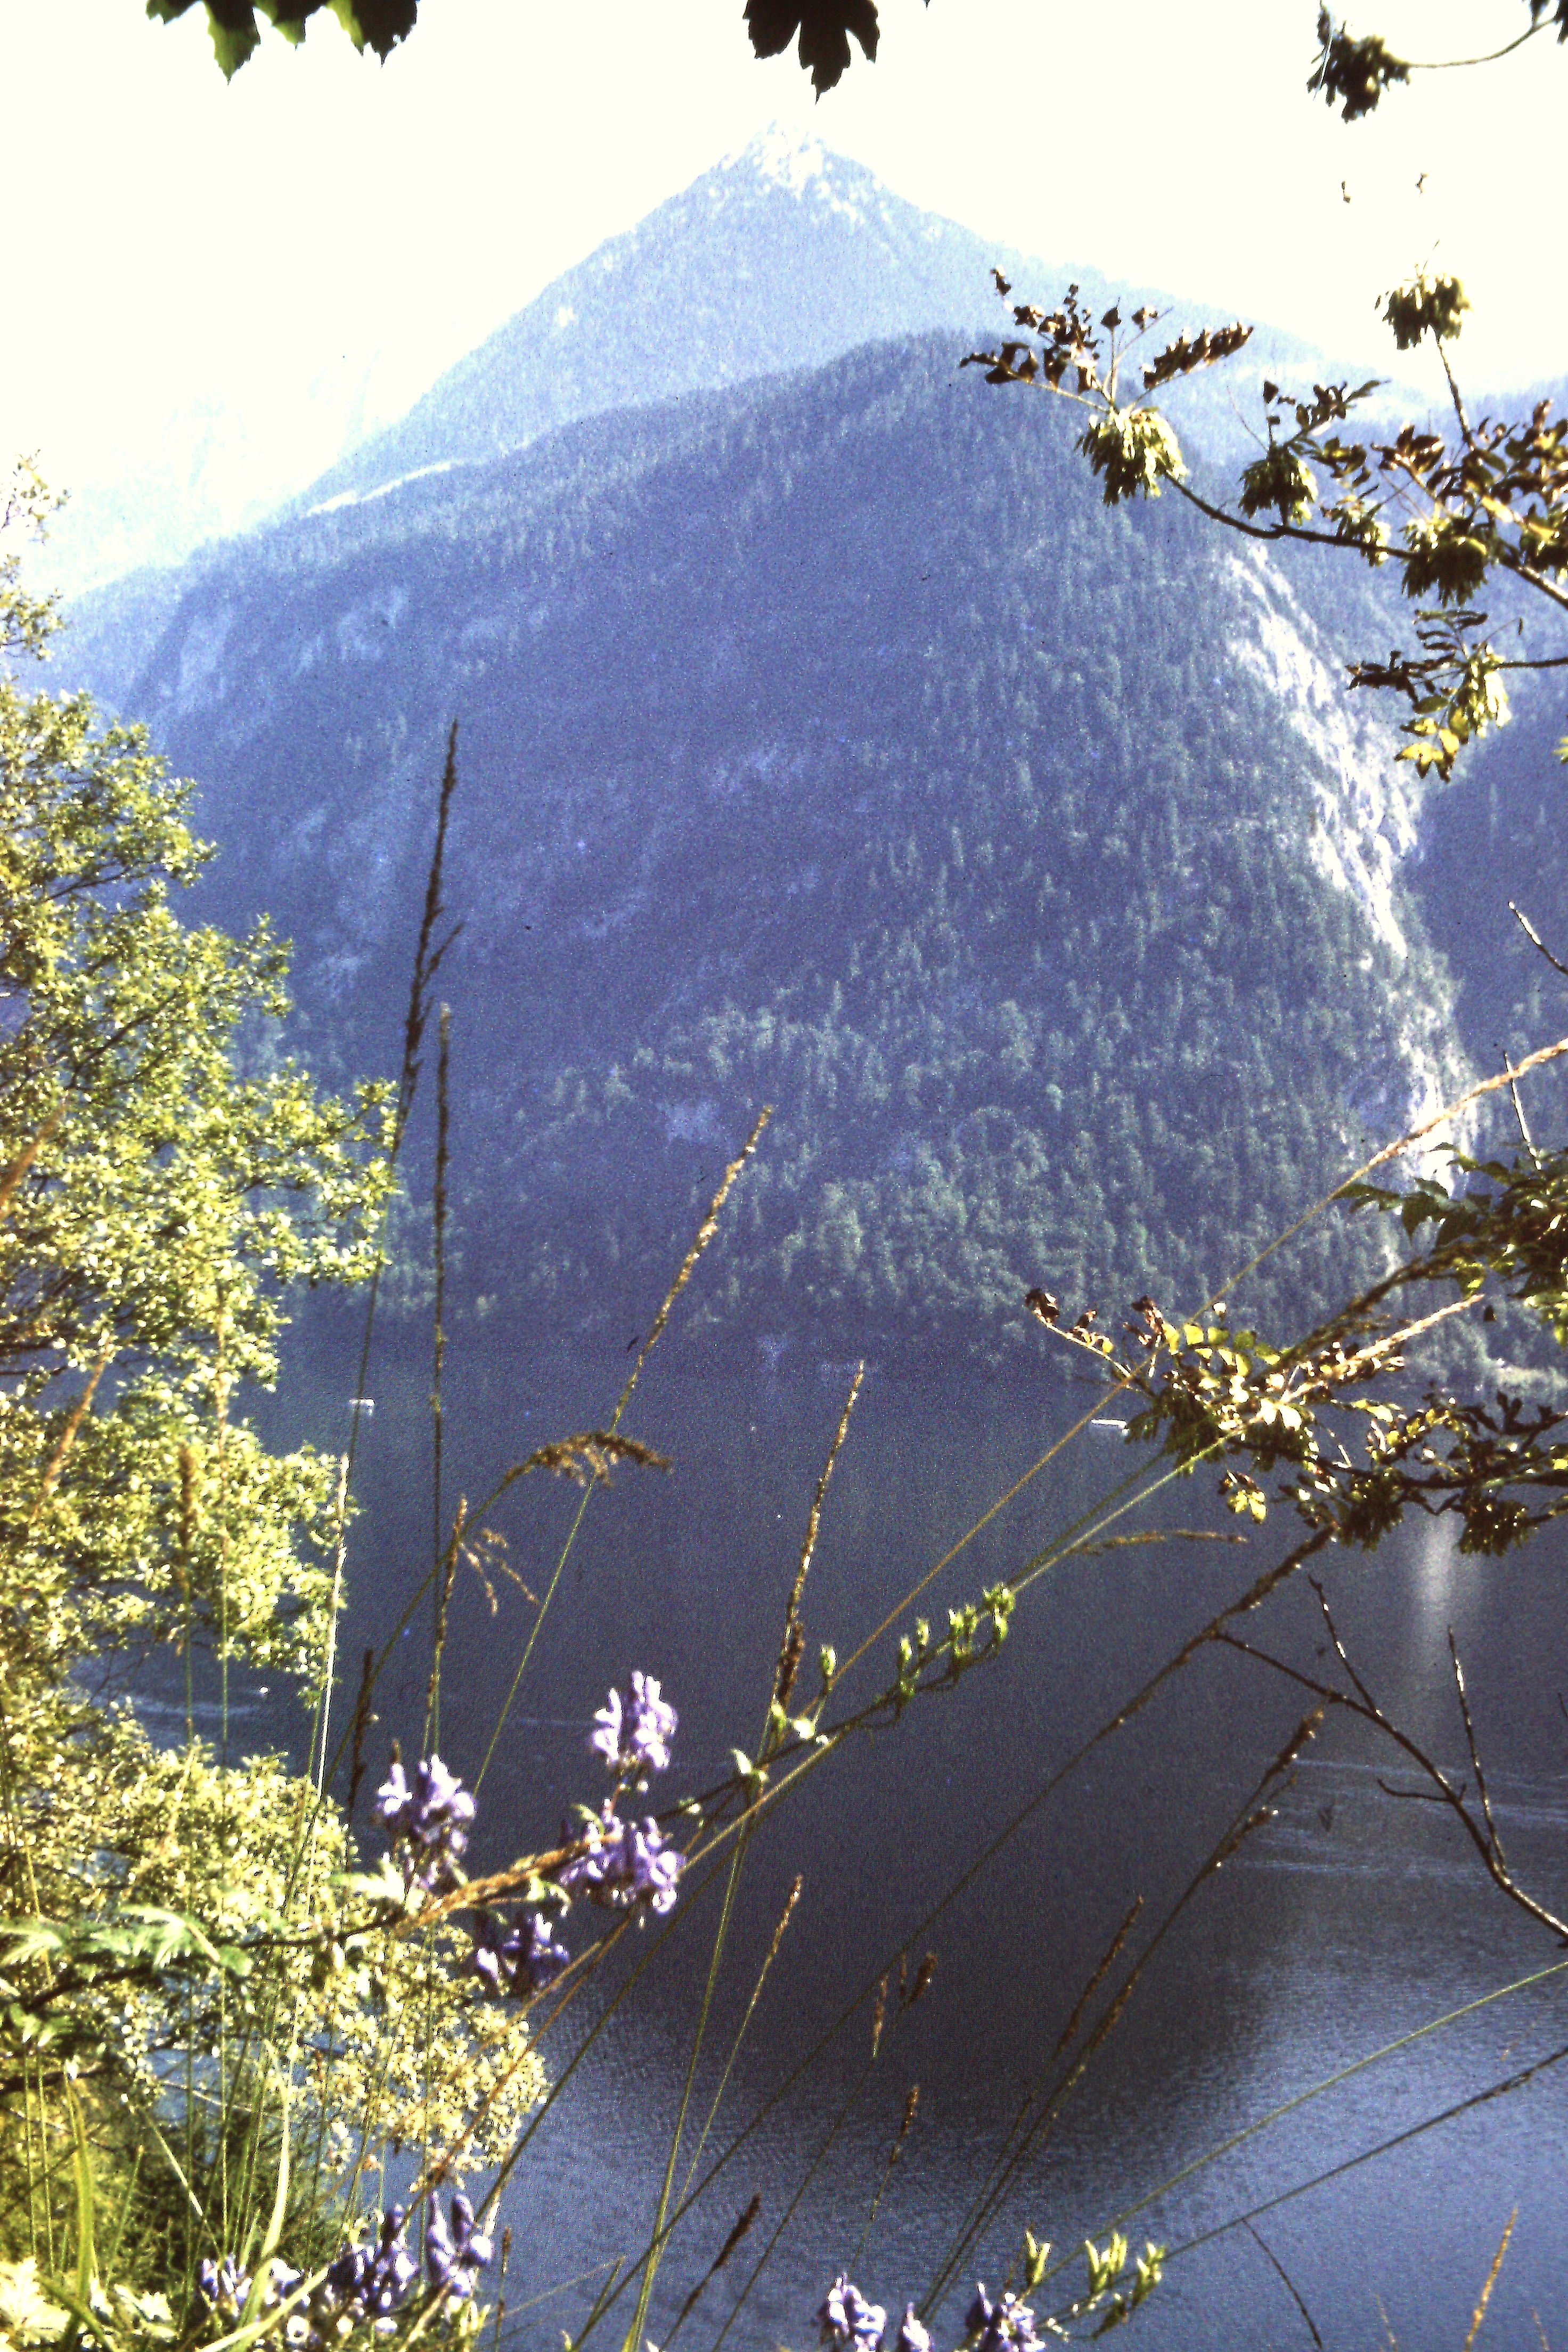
pixel 1352 74
pixel 823 27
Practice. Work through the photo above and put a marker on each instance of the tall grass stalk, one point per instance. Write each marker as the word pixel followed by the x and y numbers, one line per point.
pixel 704 1235
pixel 438 1552
pixel 783 1676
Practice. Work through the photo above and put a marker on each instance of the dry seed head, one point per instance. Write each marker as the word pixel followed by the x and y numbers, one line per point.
pixel 190 1497
pixel 587 1456
pixel 739 2231
pixel 790 1656
pixel 785 1917
pixel 923 1976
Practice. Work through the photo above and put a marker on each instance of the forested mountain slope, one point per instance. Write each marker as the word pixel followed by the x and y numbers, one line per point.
pixel 1501 834
pixel 827 743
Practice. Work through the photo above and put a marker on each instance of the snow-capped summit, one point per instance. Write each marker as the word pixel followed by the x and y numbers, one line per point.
pixel 792 159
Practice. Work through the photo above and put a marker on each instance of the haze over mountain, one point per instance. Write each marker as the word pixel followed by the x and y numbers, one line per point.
pixel 783 255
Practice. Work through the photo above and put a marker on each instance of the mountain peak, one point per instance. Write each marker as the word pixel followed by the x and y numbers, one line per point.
pixel 789 159
pixel 780 161
pixel 782 255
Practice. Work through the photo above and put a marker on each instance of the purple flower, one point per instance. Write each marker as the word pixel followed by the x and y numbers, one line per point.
pixel 455 2257
pixel 912 2337
pixel 625 1866
pixel 847 2319
pixel 517 1957
pixel 371 2282
pixel 1002 2325
pixel 635 1730
pixel 391 2275
pixel 428 1819
pixel 224 2286
pixel 365 2282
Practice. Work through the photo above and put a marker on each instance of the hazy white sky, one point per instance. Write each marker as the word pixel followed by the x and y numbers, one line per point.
pixel 320 238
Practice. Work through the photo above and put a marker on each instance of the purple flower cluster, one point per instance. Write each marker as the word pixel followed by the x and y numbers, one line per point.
pixel 456 2255
pixel 223 2286
pixel 1005 2325
pixel 427 1821
pixel 635 1731
pixel 624 1866
pixel 369 2282
pixel 847 2319
pixel 516 1957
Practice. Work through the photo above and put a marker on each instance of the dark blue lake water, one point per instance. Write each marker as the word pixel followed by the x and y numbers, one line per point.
pixel 1353 1919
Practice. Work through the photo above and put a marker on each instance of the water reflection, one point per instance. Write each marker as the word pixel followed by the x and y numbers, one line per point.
pixel 1353 1919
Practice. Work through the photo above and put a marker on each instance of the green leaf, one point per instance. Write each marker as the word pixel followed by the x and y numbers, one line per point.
pixel 1427 306
pixel 1354 74
pixel 1133 451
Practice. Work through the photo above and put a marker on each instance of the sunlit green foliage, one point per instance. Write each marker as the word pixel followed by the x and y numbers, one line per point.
pixel 1447 515
pixel 165 1180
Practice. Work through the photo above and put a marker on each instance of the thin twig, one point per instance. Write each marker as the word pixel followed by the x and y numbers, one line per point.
pixel 1483 1836
pixel 1257 1812
pixel 1519 1120
pixel 437 1366
pixel 443 1603
pixel 1486 2294
pixel 1489 57
pixel 1475 1752
pixel 790 1649
pixel 772 1952
pixel 1536 942
pixel 1503 2089
pixel 976 2210
pixel 704 1235
pixel 1287 2281
pixel 1332 2083
pixel 428 960
pixel 339 1547
pixel 911 2108
pixel 362 1720
pixel 1416 1796
pixel 1402 1143
pixel 1251 1598
pixel 740 2230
